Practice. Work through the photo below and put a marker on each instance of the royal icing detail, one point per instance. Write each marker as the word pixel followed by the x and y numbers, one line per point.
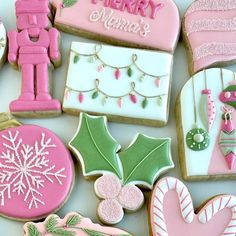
pixel 169 217
pixel 3 43
pixel 211 161
pixel 36 173
pixel 71 225
pixel 119 82
pixel 118 191
pixel 138 23
pixel 209 29
pixel 33 57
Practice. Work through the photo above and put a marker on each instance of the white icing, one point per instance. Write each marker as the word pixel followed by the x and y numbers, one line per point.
pixel 108 19
pixel 82 75
pixel 197 162
pixel 220 203
pixel 3 40
pixel 24 169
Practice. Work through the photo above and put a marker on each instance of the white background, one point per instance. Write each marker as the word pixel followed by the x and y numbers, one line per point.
pixel 83 198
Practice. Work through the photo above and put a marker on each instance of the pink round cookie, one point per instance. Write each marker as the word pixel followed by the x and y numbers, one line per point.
pixel 73 224
pixel 172 212
pixel 209 29
pixel 36 172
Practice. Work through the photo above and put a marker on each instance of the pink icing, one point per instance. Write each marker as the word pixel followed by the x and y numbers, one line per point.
pixel 36 170
pixel 110 211
pixel 108 186
pixel 34 56
pixel 145 21
pixel 84 223
pixel 131 197
pixel 169 201
pixel 210 28
pixel 218 165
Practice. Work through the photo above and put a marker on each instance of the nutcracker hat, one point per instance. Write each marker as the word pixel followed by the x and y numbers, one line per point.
pixel 32 6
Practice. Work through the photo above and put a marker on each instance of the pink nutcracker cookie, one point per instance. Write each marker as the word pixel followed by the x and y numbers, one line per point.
pixel 172 212
pixel 206 125
pixel 33 49
pixel 72 224
pixel 209 29
pixel 121 171
pixel 36 172
pixel 131 23
pixel 3 43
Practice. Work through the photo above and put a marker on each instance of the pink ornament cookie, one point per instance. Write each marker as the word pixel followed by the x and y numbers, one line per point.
pixel 210 33
pixel 206 125
pixel 36 172
pixel 172 212
pixel 72 225
pixel 3 43
pixel 147 24
pixel 122 171
pixel 33 49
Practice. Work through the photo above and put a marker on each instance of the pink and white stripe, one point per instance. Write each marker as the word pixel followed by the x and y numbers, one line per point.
pixel 220 203
pixel 163 186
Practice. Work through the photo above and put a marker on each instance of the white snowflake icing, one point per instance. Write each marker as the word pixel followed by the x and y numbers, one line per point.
pixel 24 169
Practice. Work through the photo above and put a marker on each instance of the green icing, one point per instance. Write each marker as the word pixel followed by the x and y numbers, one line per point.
pixel 193 143
pixel 69 3
pixel 33 231
pixel 145 159
pixel 97 148
pixel 73 220
pixel 51 223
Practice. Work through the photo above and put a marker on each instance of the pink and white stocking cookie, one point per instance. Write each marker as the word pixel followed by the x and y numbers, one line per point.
pixel 209 29
pixel 140 164
pixel 122 83
pixel 172 213
pixel 36 172
pixel 72 224
pixel 3 43
pixel 206 119
pixel 147 24
pixel 33 48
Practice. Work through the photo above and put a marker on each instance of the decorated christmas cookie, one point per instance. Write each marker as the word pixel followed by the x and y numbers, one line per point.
pixel 3 43
pixel 122 83
pixel 72 225
pixel 33 49
pixel 206 119
pixel 209 28
pixel 138 165
pixel 129 23
pixel 36 172
pixel 172 212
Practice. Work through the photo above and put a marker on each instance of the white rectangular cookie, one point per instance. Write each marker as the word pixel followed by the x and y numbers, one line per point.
pixel 126 84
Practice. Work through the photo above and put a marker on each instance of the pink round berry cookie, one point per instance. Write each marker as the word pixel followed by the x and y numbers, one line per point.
pixel 36 171
pixel 172 212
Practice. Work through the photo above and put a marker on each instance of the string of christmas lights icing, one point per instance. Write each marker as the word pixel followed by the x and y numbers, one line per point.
pixel 132 94
pixel 95 56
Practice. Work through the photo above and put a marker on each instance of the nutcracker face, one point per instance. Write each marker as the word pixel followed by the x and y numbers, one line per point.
pixel 32 15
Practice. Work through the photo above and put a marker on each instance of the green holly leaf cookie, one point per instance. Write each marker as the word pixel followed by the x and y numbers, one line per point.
pixel 95 147
pixel 145 159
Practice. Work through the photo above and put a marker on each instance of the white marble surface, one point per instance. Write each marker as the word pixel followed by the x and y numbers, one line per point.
pixel 82 198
